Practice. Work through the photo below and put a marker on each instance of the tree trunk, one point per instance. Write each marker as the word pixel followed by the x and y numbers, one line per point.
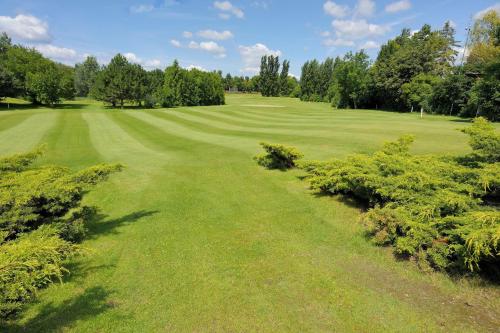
pixel 411 111
pixel 451 109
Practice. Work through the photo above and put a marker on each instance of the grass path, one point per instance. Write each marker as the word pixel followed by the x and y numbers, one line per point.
pixel 195 237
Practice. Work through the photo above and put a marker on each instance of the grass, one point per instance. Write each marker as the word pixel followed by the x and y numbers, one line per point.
pixel 196 237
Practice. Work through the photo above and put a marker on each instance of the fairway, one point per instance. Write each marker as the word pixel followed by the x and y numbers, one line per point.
pixel 195 236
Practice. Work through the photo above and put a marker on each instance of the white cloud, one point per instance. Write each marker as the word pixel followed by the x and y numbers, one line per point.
pixel 132 57
pixel 148 64
pixel 324 33
pixel 58 53
pixel 357 29
pixel 398 6
pixel 365 8
pixel 480 14
pixel 153 63
pixel 25 27
pixel 141 9
pixel 251 55
pixel 187 34
pixel 175 43
pixel 229 9
pixel 200 68
pixel 369 45
pixel 338 42
pixel 335 10
pixel 216 35
pixel 211 47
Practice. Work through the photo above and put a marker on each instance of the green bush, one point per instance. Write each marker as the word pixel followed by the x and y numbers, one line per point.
pixel 439 210
pixel 278 156
pixel 28 263
pixel 41 217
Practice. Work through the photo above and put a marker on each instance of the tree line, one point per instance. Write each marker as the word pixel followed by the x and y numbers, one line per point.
pixel 415 71
pixel 25 73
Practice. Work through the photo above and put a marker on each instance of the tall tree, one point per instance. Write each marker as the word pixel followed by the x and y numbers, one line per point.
pixel 114 83
pixel 283 80
pixel 85 75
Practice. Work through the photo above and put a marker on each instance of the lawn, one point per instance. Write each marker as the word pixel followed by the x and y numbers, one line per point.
pixel 194 236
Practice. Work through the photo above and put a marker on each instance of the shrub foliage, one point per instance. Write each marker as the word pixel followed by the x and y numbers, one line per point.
pixel 41 218
pixel 438 210
pixel 278 156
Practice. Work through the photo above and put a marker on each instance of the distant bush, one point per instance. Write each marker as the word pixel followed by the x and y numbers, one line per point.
pixel 278 156
pixel 434 209
pixel 41 217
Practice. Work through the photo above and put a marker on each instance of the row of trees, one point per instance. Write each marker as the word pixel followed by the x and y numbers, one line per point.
pixel 415 71
pixel 25 72
pixel 121 81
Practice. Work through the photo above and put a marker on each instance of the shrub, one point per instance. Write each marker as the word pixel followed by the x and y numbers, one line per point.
pixel 278 156
pixel 28 263
pixel 435 209
pixel 41 217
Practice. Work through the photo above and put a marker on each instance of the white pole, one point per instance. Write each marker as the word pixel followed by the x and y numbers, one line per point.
pixel 421 112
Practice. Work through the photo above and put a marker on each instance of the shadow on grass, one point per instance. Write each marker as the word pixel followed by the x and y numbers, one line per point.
pixel 56 317
pixel 92 301
pixel 101 225
pixel 16 107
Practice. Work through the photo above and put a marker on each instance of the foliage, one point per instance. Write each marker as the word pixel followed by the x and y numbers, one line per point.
pixel 350 76
pixel 193 87
pixel 29 263
pixel 278 156
pixel 419 90
pixel 430 208
pixel 85 75
pixel 26 73
pixel 41 215
pixel 269 76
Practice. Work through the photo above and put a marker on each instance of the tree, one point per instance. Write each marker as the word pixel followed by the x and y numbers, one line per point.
pixel 351 78
pixel 85 75
pixel 114 84
pixel 45 85
pixel 406 56
pixel 418 91
pixel 485 39
pixel 283 79
pixel 450 95
pixel 269 76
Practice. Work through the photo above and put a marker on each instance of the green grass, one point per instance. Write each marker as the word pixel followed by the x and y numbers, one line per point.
pixel 196 237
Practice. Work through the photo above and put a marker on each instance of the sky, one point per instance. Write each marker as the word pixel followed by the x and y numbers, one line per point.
pixel 223 35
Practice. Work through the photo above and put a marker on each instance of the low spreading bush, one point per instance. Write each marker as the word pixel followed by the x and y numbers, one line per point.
pixel 41 219
pixel 439 210
pixel 278 156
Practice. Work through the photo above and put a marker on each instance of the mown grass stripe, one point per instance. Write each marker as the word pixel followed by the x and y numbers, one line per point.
pixel 28 133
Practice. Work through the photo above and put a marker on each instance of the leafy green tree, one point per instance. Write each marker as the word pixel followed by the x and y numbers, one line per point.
pixel 418 92
pixel 485 94
pixel 351 77
pixel 114 84
pixel 283 79
pixel 269 76
pixel 45 86
pixel 451 94
pixel 85 75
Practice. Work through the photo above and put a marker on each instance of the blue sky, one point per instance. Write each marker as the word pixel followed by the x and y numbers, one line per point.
pixel 227 35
